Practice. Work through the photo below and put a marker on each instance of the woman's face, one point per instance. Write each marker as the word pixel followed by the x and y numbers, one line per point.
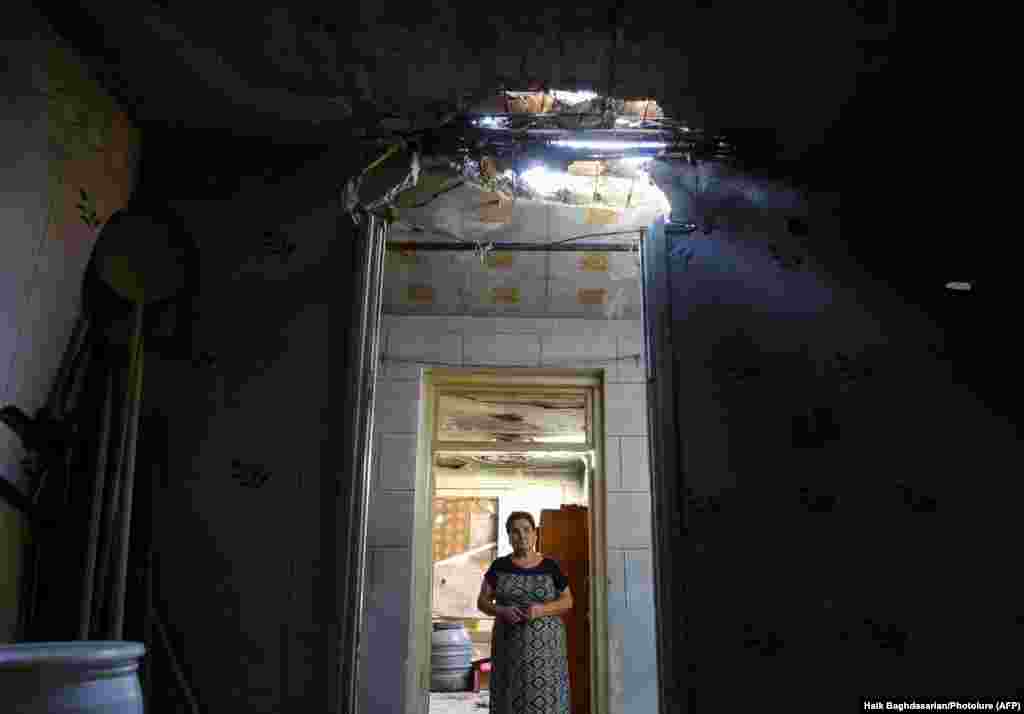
pixel 521 535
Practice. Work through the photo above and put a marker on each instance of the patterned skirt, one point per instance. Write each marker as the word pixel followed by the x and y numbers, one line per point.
pixel 530 670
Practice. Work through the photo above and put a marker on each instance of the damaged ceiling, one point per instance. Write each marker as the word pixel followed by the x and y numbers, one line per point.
pixel 500 201
pixel 575 252
pixel 305 73
pixel 529 462
pixel 490 417
pixel 802 86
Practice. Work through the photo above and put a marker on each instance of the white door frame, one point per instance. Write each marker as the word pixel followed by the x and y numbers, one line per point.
pixel 417 683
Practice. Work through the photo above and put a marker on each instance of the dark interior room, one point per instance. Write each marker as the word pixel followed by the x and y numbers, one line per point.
pixel 250 251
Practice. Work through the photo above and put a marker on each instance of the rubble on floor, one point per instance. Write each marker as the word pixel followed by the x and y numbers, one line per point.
pixel 459 702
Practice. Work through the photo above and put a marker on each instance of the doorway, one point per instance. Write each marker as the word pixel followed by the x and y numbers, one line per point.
pixel 392 644
pixel 492 442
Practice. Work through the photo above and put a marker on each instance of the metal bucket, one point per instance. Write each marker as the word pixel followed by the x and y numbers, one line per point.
pixel 89 677
pixel 451 658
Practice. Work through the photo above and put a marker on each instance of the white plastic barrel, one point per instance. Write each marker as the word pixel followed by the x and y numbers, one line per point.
pixel 88 677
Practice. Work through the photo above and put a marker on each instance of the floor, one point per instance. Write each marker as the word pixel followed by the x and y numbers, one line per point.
pixel 458 703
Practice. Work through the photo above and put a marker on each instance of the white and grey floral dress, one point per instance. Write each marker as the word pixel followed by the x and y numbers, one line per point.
pixel 529 666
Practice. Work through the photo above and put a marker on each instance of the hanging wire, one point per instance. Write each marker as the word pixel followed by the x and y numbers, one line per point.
pixel 483 250
pixel 632 183
pixel 439 193
pixel 479 246
pixel 641 231
pixel 350 191
pixel 635 358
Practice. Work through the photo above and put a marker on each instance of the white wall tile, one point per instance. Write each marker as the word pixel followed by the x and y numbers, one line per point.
pixel 629 370
pixel 521 270
pixel 534 224
pixel 427 345
pixel 574 326
pixel 617 617
pixel 629 520
pixel 564 300
pixel 639 579
pixel 582 350
pixel 617 328
pixel 391 519
pixel 613 463
pixel 625 409
pixel 616 657
pixel 616 578
pixel 386 633
pixel 636 475
pixel 505 350
pixel 396 460
pixel 482 326
pixel 491 325
pixel 532 295
pixel 639 671
pixel 640 665
pixel 396 407
pixel 569 221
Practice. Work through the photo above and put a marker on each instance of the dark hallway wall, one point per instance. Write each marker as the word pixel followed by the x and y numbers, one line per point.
pixel 244 523
pixel 849 499
pixel 841 559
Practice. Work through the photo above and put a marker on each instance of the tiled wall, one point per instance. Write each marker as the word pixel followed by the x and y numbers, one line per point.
pixel 466 341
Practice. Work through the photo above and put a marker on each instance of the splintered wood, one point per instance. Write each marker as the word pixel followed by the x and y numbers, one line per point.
pixel 640 108
pixel 488 167
pixel 532 103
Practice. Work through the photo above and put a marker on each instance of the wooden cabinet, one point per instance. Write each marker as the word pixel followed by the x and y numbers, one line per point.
pixel 565 536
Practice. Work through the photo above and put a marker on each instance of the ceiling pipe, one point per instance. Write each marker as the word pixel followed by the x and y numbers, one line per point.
pixel 518 247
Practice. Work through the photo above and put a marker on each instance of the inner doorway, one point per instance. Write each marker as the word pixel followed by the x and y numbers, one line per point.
pixel 496 442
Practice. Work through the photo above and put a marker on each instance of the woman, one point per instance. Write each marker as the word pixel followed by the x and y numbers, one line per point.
pixel 527 593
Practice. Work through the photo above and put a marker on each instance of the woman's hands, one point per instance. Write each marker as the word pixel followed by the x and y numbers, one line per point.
pixel 534 611
pixel 511 615
pixel 518 615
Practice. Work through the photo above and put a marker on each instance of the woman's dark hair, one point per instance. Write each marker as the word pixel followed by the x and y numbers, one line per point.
pixel 519 516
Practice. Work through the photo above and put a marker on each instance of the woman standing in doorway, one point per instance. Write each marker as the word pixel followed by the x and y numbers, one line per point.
pixel 527 593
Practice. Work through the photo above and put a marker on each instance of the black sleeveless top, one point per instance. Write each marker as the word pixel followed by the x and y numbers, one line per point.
pixel 547 566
